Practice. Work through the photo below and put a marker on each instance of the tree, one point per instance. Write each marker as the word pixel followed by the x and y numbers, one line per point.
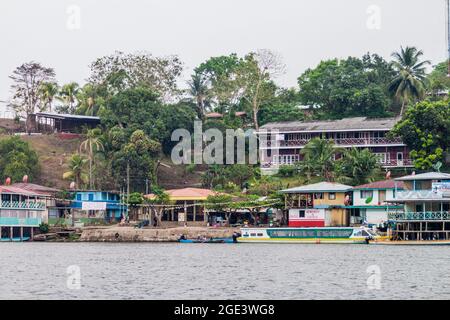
pixel 253 79
pixel 27 80
pixel 47 93
pixel 159 202
pixel 91 145
pixel 136 160
pixel 425 128
pixel 77 170
pixel 318 159
pixel 68 96
pixel 347 88
pixel 438 80
pixel 91 100
pixel 239 173
pixel 134 201
pixel 283 107
pixel 409 82
pixel 139 70
pixel 358 166
pixel 198 89
pixel 17 160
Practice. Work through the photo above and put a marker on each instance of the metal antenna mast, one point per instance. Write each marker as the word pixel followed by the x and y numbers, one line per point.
pixel 448 36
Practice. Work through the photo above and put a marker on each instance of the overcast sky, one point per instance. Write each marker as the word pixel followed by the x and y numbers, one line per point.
pixel 302 31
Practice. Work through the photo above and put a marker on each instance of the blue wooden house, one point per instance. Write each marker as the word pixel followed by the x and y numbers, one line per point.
pixel 99 204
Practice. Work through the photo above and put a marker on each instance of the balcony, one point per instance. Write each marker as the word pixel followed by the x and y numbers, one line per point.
pixel 344 142
pixel 419 216
pixel 411 195
pixel 22 205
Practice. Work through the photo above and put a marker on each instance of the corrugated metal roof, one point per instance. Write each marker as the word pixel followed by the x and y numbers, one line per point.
pixel 36 188
pixel 426 176
pixel 187 194
pixel 385 184
pixel 66 116
pixel 14 190
pixel 357 123
pixel 319 187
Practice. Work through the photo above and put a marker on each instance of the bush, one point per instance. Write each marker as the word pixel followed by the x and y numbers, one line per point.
pixel 43 227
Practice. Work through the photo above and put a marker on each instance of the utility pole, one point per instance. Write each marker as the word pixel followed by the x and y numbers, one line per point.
pixel 128 181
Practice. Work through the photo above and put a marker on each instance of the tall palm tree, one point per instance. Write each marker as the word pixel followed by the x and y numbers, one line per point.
pixel 68 94
pixel 409 83
pixel 358 166
pixel 77 166
pixel 91 145
pixel 88 100
pixel 198 88
pixel 318 158
pixel 47 93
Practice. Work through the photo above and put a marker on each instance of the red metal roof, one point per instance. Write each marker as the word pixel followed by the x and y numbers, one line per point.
pixel 15 190
pixel 35 188
pixel 188 193
pixel 385 184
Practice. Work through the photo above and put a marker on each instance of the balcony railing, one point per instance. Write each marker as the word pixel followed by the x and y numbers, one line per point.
pixel 389 163
pixel 416 195
pixel 22 205
pixel 419 216
pixel 342 142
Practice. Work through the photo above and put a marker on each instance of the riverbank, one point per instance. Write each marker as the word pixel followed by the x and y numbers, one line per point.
pixel 131 234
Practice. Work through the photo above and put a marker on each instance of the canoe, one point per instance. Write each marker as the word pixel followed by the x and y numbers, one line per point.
pixel 225 240
pixel 14 239
pixel 412 243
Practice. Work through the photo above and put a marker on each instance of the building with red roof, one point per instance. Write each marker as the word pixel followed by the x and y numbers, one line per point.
pixel 187 205
pixel 21 211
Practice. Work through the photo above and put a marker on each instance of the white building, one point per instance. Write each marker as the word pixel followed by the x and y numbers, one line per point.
pixel 369 202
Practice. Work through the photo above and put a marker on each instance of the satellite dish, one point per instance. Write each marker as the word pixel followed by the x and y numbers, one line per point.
pixel 72 185
pixel 25 179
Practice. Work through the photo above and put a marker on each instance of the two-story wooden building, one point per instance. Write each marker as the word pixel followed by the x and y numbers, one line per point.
pixel 281 142
pixel 21 211
pixel 321 204
pixel 426 207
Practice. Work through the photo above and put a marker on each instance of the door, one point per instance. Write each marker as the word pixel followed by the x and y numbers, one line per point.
pixel 399 158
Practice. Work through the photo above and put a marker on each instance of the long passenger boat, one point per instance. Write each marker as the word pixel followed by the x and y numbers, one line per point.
pixel 335 235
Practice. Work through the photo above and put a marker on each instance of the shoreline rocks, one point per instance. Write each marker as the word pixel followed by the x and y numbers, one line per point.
pixel 130 234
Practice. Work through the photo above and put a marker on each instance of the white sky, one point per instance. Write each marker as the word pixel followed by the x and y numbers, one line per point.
pixel 302 31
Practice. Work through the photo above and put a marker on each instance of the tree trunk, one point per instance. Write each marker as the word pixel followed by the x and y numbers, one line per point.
pixel 402 110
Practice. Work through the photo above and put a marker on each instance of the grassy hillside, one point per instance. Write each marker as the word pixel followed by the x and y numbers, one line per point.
pixel 54 152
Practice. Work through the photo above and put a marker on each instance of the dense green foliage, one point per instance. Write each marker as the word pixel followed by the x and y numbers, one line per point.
pixel 426 130
pixel 17 160
pixel 349 87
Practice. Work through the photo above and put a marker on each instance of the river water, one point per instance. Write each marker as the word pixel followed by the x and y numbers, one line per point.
pixel 222 271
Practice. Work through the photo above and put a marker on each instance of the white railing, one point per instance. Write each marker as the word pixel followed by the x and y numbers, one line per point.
pixel 343 141
pixel 22 205
pixel 419 216
pixel 417 195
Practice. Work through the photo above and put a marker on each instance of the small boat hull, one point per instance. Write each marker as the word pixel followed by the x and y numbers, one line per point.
pixel 319 235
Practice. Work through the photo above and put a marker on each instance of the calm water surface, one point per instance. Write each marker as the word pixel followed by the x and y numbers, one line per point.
pixel 222 271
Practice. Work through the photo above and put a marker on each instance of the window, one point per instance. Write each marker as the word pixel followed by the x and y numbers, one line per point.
pixel 79 196
pixel 365 194
pixel 301 214
pixel 332 196
pixel 91 197
pixel 318 196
